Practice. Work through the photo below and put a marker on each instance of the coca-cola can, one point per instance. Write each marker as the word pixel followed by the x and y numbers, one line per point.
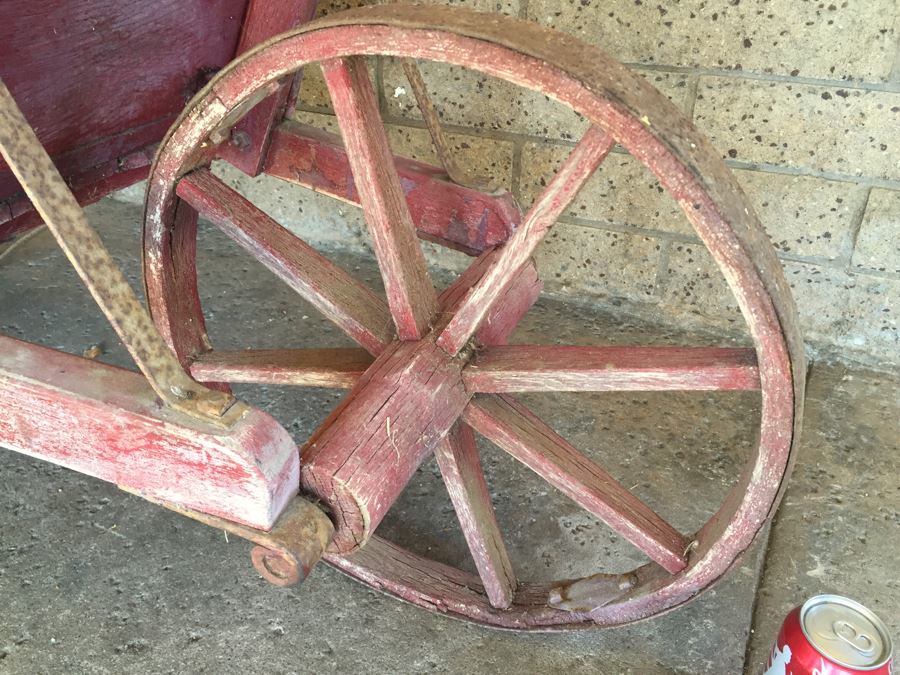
pixel 831 635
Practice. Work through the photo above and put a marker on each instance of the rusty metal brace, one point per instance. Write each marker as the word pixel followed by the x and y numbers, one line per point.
pixel 65 218
pixel 285 554
pixel 590 593
pixel 438 138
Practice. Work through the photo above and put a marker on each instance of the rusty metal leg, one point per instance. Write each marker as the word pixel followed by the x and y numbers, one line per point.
pixel 56 204
pixel 247 475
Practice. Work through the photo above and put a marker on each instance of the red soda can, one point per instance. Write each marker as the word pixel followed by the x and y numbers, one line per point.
pixel 831 635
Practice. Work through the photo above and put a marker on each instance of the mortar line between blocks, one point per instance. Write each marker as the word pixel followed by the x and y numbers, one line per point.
pixel 875 274
pixel 819 261
pixel 837 264
pixel 636 230
pixel 762 167
pixel 887 86
pixel 515 184
pixel 523 9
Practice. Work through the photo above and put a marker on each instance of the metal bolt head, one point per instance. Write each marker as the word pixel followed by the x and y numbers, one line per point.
pixel 276 567
pixel 240 139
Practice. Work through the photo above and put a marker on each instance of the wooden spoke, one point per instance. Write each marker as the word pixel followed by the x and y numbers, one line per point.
pixel 432 122
pixel 177 283
pixel 565 368
pixel 515 429
pixel 332 368
pixel 580 165
pixel 505 314
pixel 457 458
pixel 340 297
pixel 411 296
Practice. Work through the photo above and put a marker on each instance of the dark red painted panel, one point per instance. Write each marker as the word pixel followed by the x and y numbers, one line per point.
pixel 87 70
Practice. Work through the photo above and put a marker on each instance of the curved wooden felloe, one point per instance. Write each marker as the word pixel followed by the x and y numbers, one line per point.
pixel 360 474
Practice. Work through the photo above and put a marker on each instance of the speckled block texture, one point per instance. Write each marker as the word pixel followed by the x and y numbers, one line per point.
pixel 802 99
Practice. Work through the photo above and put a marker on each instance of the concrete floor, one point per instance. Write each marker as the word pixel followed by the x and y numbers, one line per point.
pixel 94 580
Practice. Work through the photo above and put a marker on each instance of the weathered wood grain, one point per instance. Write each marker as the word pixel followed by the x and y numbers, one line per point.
pixel 457 459
pixel 511 305
pixel 444 212
pixel 341 298
pixel 332 368
pixel 114 296
pixel 410 293
pixel 99 79
pixel 18 215
pixel 432 120
pixel 448 590
pixel 106 422
pixel 181 321
pixel 250 137
pixel 573 368
pixel 505 314
pixel 365 452
pixel 515 429
pixel 656 133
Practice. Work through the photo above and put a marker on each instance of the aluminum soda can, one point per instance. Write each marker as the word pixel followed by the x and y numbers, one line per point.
pixel 831 635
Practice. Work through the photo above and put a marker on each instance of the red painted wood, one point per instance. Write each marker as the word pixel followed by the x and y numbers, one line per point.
pixel 511 305
pixel 333 368
pixel 410 293
pixel 519 432
pixel 448 590
pixel 342 368
pixel 575 171
pixel 363 455
pixel 172 292
pixel 350 305
pixel 567 368
pixel 453 295
pixel 84 71
pixel 250 137
pixel 443 212
pixel 107 422
pixel 457 454
pixel 103 157
pixel 88 187
pixel 457 458
pixel 505 314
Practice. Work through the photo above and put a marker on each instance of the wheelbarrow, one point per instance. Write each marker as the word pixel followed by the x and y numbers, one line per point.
pixel 101 95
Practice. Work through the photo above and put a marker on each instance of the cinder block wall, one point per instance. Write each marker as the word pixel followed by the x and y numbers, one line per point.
pixel 803 99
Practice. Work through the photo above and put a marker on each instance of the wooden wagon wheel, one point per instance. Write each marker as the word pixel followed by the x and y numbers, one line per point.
pixel 427 385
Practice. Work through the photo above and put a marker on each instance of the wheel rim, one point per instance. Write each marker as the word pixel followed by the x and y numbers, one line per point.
pixel 653 131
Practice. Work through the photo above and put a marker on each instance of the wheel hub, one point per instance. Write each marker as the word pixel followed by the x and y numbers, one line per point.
pixel 366 453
